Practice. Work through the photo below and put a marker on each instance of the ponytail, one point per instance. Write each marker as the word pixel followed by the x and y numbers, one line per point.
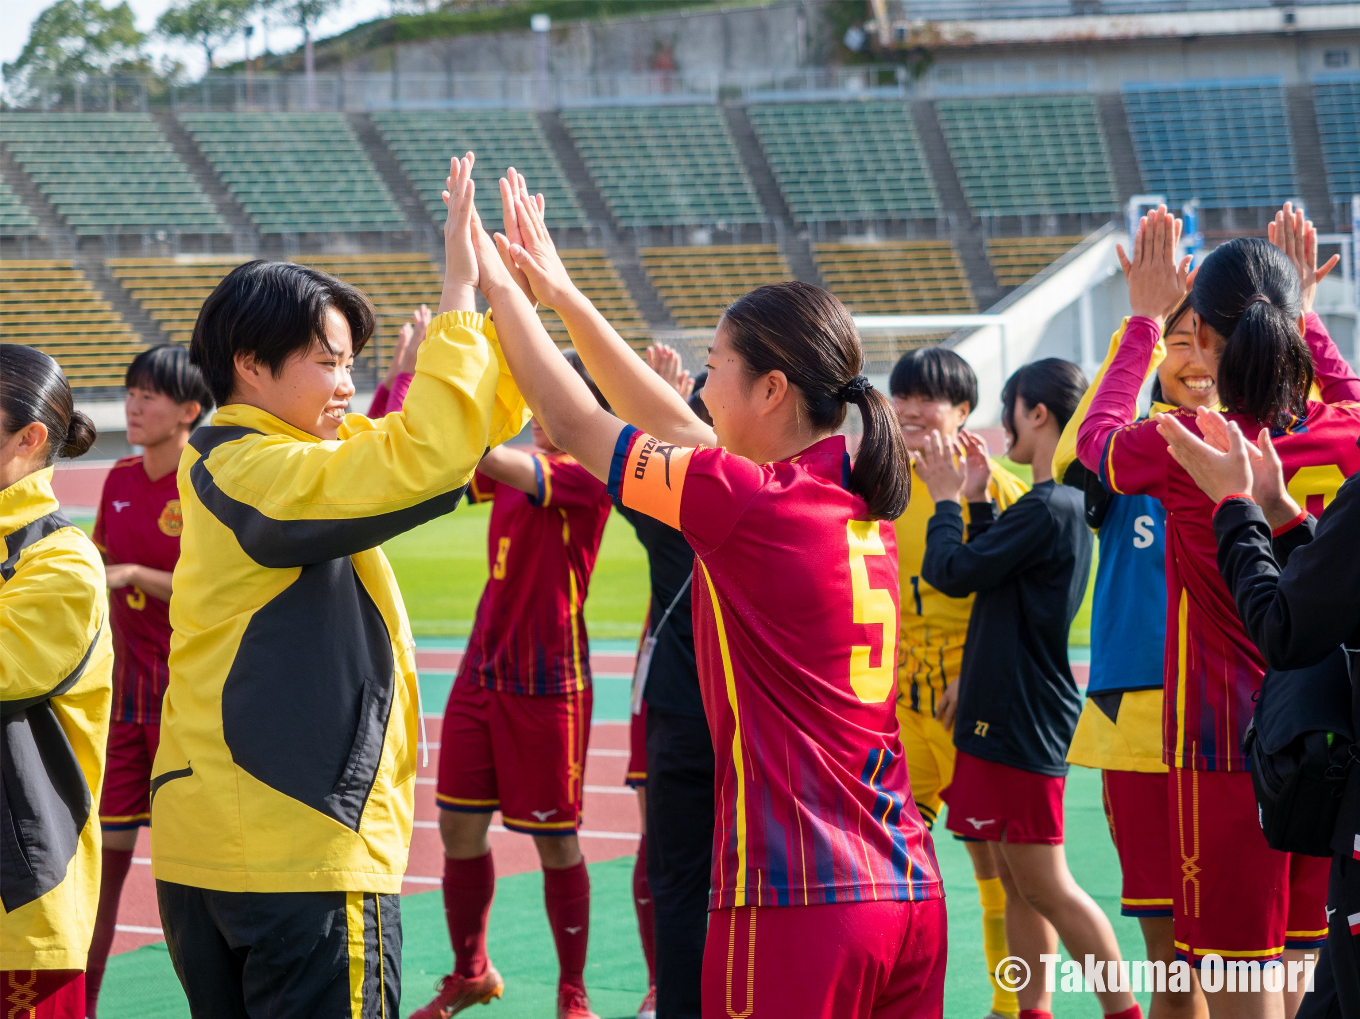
pixel 33 388
pixel 1248 292
pixel 806 333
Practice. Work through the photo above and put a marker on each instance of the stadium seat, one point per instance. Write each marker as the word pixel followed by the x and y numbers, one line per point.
pixel 1226 143
pixel 595 274
pixel 49 304
pixel 1030 155
pixel 15 218
pixel 698 283
pixel 1016 260
pixel 423 142
pixel 846 161
pixel 297 172
pixel 664 165
pixel 109 173
pixel 1337 101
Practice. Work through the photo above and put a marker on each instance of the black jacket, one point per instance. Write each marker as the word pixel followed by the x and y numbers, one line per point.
pixel 1299 599
pixel 1018 703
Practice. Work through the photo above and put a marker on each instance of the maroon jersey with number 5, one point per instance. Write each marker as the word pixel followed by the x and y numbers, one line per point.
pixel 795 632
pixel 139 521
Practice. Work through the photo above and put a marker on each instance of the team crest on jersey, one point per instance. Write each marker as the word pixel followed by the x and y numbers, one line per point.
pixel 171 521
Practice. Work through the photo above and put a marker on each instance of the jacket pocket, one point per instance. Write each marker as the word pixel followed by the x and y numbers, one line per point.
pixel 306 703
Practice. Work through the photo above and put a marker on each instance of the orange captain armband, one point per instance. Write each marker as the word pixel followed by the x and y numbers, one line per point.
pixel 648 475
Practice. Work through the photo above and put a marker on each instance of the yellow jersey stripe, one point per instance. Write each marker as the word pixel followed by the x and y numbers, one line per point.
pixel 740 820
pixel 354 928
pixel 1182 621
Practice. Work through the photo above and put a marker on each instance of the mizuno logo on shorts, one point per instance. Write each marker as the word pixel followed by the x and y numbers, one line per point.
pixel 543 815
pixel 979 825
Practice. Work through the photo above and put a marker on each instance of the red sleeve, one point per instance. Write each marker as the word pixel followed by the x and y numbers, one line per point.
pixel 398 395
pixel 98 536
pixel 564 482
pixel 702 491
pixel 1136 460
pixel 482 488
pixel 1335 379
pixel 1115 403
pixel 378 407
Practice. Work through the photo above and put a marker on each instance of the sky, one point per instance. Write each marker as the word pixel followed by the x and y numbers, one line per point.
pixel 19 15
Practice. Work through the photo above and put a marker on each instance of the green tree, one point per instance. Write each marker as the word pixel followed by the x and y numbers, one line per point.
pixel 77 38
pixel 206 23
pixel 305 14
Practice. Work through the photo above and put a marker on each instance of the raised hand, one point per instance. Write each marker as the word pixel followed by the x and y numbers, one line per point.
pixel 1156 281
pixel 460 261
pixel 978 464
pixel 395 365
pixel 940 464
pixel 536 255
pixel 490 265
pixel 665 361
pixel 1297 238
pixel 513 185
pixel 420 321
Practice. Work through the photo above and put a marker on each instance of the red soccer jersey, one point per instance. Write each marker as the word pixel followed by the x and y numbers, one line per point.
pixel 795 631
pixel 529 636
pixel 139 522
pixel 1212 668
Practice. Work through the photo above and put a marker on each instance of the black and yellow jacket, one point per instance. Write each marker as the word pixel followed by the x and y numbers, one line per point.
pixel 290 725
pixel 56 690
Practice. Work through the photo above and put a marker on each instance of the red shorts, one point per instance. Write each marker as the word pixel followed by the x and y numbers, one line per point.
pixel 997 803
pixel 849 960
pixel 43 993
pixel 522 754
pixel 126 799
pixel 1234 895
pixel 637 749
pixel 1135 807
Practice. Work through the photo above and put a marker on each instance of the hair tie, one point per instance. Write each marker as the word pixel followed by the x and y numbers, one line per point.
pixel 1259 299
pixel 853 389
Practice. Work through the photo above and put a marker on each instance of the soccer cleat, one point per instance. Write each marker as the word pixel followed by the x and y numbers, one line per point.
pixel 572 1003
pixel 454 993
pixel 647 1010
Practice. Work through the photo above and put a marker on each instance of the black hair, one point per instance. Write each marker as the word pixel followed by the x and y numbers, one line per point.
pixel 166 369
pixel 696 400
pixel 806 333
pixel 1248 292
pixel 936 374
pixel 33 388
pixel 1059 385
pixel 273 311
pixel 574 359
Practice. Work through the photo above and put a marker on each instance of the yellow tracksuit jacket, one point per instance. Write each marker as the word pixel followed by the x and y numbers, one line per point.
pixel 290 725
pixel 56 692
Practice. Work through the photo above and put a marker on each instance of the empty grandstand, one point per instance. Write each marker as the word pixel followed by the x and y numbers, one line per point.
pixel 1337 101
pixel 1030 155
pixel 846 161
pixel 423 141
pixel 109 173
pixel 664 165
pixel 592 271
pixel 169 290
pixel 1015 260
pixel 697 284
pixel 1226 143
pixel 49 304
pixel 15 218
pixel 296 173
pixel 896 278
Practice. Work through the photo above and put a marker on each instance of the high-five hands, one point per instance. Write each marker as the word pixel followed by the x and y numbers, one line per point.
pixel 665 361
pixel 533 253
pixel 1156 281
pixel 942 464
pixel 1297 238
pixel 513 185
pixel 1224 463
pixel 460 260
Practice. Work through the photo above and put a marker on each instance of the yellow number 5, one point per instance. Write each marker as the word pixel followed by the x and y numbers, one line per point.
pixel 873 607
pixel 502 550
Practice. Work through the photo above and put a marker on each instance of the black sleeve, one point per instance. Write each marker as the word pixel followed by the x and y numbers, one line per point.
pixel 981 515
pixel 1020 537
pixel 1088 482
pixel 1299 615
pixel 1296 537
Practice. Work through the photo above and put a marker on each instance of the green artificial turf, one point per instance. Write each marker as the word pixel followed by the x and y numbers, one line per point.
pixel 142 985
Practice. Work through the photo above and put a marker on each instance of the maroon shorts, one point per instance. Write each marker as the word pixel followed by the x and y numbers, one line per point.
pixel 42 993
pixel 637 749
pixel 521 754
pixel 997 803
pixel 850 960
pixel 1233 895
pixel 1135 807
pixel 126 799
